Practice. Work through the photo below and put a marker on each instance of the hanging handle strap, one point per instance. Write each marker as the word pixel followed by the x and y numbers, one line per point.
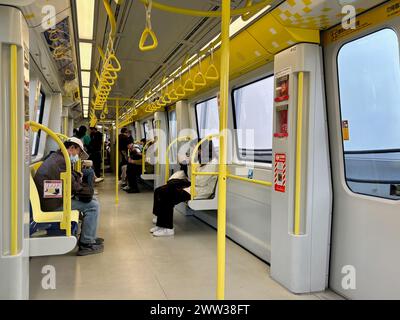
pixel 212 72
pixel 148 31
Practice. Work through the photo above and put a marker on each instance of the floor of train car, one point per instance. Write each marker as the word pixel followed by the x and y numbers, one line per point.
pixel 134 265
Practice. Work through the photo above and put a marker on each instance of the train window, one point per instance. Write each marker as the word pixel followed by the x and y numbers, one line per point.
pixel 369 80
pixel 172 134
pixel 253 117
pixel 207 117
pixel 146 131
pixel 39 119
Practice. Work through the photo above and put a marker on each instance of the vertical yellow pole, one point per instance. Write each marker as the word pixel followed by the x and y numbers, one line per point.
pixel 299 139
pixel 66 126
pixel 116 150
pixel 14 149
pixel 224 86
pixel 102 150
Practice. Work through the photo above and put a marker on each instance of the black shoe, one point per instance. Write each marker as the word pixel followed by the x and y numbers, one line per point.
pixel 98 241
pixel 87 249
pixel 132 191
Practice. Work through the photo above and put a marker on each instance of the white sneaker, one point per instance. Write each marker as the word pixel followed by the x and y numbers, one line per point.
pixel 164 232
pixel 154 219
pixel 154 229
pixel 97 180
pixel 126 188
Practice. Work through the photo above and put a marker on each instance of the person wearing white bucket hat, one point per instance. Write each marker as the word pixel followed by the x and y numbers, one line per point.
pixel 82 155
pixel 51 169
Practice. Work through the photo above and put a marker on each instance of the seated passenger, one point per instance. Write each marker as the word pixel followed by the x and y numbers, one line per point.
pixel 177 190
pixel 134 168
pixel 150 155
pixel 51 169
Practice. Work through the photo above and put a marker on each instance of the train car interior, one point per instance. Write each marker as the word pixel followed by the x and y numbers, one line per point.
pixel 188 149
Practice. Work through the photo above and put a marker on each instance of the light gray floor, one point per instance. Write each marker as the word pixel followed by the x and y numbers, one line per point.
pixel 135 265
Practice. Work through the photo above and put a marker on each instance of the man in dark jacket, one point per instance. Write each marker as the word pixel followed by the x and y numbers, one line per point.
pixel 51 169
pixel 134 168
pixel 96 142
pixel 123 149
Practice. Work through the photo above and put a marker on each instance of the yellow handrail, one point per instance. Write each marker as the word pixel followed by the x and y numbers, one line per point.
pixel 261 182
pixel 214 14
pixel 62 137
pixel 179 139
pixel 65 176
pixel 223 154
pixel 299 138
pixel 144 156
pixel 109 69
pixel 14 148
pixel 111 17
pixel 78 166
pixel 194 164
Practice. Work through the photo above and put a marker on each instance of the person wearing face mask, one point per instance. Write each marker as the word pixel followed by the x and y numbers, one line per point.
pixel 51 169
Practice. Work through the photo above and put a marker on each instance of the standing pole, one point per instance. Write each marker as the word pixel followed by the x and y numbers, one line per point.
pixel 222 176
pixel 116 150
pixel 66 126
pixel 102 149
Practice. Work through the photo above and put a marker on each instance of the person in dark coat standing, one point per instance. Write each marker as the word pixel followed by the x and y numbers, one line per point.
pixel 96 141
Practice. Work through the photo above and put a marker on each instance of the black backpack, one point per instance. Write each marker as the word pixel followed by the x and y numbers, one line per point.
pixel 85 194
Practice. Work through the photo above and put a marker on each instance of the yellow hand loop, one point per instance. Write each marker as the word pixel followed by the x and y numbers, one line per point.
pixel 173 95
pixel 167 98
pixel 199 79
pixel 161 102
pixel 148 32
pixel 189 85
pixel 180 91
pixel 112 64
pixel 212 72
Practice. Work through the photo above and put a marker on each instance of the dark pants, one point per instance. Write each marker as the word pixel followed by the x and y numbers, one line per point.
pixel 122 162
pixel 166 198
pixel 96 158
pixel 133 173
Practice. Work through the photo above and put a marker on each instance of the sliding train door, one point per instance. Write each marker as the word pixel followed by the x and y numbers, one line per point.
pixel 363 101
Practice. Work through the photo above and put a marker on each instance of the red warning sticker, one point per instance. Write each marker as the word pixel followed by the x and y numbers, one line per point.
pixel 280 172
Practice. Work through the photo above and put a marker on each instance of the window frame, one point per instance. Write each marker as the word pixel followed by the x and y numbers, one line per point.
pixel 41 115
pixel 238 153
pixel 196 114
pixel 339 96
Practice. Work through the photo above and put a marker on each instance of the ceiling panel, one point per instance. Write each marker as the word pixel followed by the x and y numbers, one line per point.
pixel 170 30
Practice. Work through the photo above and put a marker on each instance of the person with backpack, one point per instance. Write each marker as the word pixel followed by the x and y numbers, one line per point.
pixel 82 200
